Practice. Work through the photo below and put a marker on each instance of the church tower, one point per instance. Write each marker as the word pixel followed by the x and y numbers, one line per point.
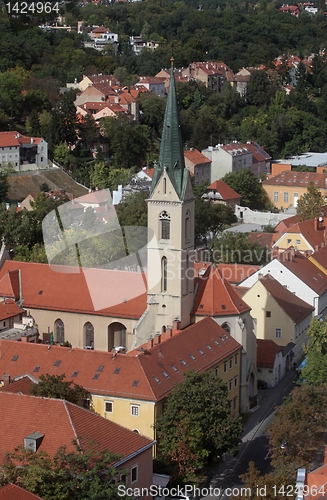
pixel 171 219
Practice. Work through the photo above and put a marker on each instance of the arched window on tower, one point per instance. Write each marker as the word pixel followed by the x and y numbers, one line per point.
pixel 164 274
pixel 164 218
pixel 187 227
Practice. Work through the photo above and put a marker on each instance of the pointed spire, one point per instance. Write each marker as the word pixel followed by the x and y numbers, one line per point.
pixel 171 156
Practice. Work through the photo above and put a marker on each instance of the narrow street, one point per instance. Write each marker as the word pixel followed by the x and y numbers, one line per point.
pixel 254 445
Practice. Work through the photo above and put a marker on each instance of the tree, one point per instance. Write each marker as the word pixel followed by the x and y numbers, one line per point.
pixel 54 386
pixel 4 186
pixel 236 248
pixel 315 370
pixel 245 183
pixel 310 204
pixel 61 153
pixel 196 424
pixel 87 473
pixel 132 210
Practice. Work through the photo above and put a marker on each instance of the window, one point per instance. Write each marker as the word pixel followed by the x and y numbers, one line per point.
pixel 217 371
pixel 231 363
pixel 268 314
pixel 225 366
pixel 286 197
pixel 235 381
pixel 134 474
pixel 278 333
pixel 164 274
pixel 135 410
pixel 187 227
pixel 230 385
pixel 164 218
pixel 275 196
pixel 289 241
pixel 60 331
pixel 235 360
pixel 235 403
pixel 108 406
pixel 89 334
pixel 298 242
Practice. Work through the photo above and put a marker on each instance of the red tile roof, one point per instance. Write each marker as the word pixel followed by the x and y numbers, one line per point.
pixel 226 192
pixel 236 273
pixel 266 353
pixel 196 157
pixel 9 284
pixel 291 304
pixel 307 229
pixel 14 138
pixel 9 309
pixel 321 256
pixel 13 492
pixel 68 422
pixel 143 374
pixel 215 296
pixel 305 270
pixel 92 291
pixel 263 239
pixel 22 385
pixel 299 179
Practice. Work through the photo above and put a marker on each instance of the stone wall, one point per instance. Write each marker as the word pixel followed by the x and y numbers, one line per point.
pixel 264 218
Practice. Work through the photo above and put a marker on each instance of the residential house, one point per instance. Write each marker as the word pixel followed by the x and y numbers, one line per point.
pixel 300 276
pixel 220 192
pixel 271 365
pixel 14 324
pixel 216 298
pixel 306 236
pixel 319 259
pixel 154 84
pixel 314 482
pixel 100 110
pixel 237 156
pixel 280 315
pixel 198 165
pixel 207 72
pixel 101 36
pixel 130 389
pixel 23 153
pixel 94 93
pixel 286 188
pixel 14 492
pixel 291 9
pixel 138 44
pixel 241 78
pixel 178 76
pixel 69 423
pixel 89 81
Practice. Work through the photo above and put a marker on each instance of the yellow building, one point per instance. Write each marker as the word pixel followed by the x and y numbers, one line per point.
pixel 286 188
pixel 319 259
pixel 280 315
pixel 306 236
pixel 130 389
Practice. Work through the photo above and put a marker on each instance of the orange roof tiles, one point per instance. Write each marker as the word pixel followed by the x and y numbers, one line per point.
pixel 226 192
pixel 291 304
pixel 299 179
pixel 321 256
pixel 22 385
pixel 9 309
pixel 236 273
pixel 14 492
pixel 15 139
pixel 68 422
pixel 156 369
pixel 196 157
pixel 9 284
pixel 216 296
pixel 305 270
pixel 92 291
pixel 266 353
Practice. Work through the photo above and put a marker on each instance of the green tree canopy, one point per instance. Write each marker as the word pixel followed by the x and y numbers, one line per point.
pixel 310 204
pixel 132 210
pixel 315 370
pixel 4 186
pixel 86 474
pixel 54 386
pixel 196 423
pixel 236 248
pixel 245 183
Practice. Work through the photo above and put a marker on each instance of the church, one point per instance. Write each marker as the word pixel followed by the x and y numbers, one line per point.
pixel 118 309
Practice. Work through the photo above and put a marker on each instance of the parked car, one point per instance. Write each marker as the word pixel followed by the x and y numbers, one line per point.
pixel 262 384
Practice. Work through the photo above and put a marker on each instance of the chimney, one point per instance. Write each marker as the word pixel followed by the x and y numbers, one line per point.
pixel 157 339
pixel 287 256
pixel 176 323
pixel 6 379
pixel 24 337
pixel 292 252
pixel 260 276
pixel 169 332
pixel 150 342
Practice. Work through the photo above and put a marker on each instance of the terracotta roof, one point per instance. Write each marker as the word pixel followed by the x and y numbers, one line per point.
pixel 236 273
pixel 143 374
pixel 14 138
pixel 305 270
pixel 299 179
pixel 226 192
pixel 266 353
pixel 9 284
pixel 92 291
pixel 215 296
pixel 307 230
pixel 321 256
pixel 196 157
pixel 13 492
pixel 9 309
pixel 150 80
pixel 291 304
pixel 258 153
pixel 264 239
pixel 68 422
pixel 110 79
pixel 22 385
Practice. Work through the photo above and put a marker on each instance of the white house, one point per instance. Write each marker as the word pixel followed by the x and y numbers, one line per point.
pixel 300 276
pixel 23 153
